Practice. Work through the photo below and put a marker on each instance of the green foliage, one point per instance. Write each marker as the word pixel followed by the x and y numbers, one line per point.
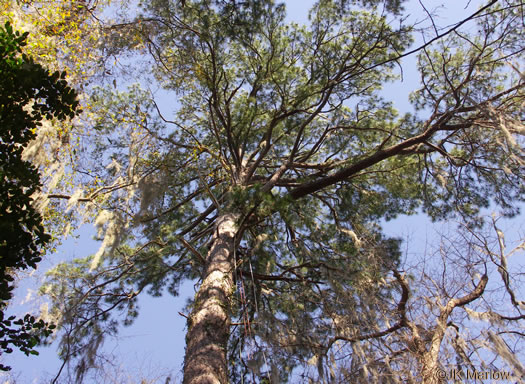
pixel 28 333
pixel 28 94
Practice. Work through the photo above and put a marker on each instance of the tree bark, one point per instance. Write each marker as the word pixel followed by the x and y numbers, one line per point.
pixel 209 323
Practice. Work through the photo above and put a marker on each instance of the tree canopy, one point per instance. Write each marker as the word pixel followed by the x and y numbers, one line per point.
pixel 268 181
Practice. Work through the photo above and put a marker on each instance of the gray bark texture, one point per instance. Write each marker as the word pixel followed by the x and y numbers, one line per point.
pixel 209 323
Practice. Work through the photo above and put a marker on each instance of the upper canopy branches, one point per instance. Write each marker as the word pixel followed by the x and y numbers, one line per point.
pixel 295 106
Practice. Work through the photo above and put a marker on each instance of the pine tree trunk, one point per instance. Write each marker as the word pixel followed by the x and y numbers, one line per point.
pixel 209 323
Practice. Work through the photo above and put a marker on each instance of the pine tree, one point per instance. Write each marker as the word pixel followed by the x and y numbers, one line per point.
pixel 268 182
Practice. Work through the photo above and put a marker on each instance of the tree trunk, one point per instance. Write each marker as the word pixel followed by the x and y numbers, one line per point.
pixel 209 323
pixel 431 373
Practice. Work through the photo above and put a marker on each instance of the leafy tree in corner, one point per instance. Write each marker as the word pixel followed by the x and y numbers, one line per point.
pixel 28 94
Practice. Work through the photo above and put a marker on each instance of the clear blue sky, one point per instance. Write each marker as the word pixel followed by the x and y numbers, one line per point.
pixel 154 345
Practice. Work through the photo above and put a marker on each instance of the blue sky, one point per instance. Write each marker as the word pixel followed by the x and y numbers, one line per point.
pixel 154 345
